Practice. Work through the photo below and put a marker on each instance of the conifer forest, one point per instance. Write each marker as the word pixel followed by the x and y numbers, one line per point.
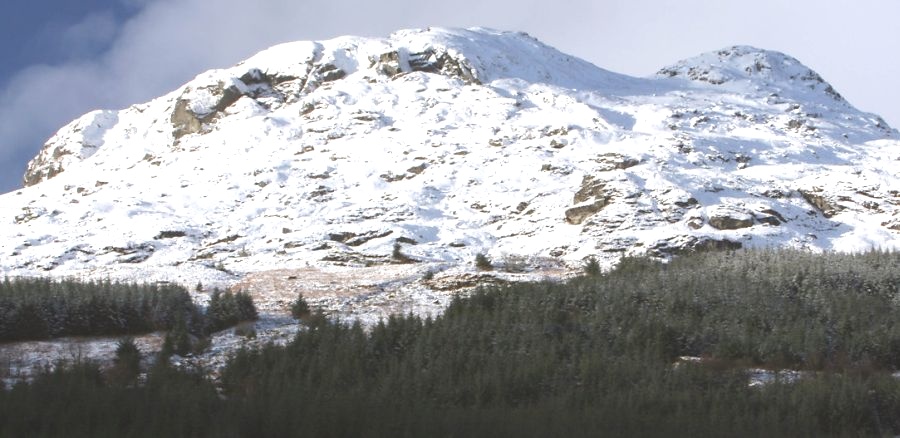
pixel 647 349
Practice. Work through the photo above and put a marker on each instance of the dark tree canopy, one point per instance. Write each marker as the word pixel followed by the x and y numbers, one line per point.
pixel 594 356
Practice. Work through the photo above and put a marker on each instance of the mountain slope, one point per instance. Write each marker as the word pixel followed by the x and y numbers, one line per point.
pixel 451 143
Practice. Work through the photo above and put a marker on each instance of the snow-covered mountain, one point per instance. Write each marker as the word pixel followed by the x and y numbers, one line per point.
pixel 452 143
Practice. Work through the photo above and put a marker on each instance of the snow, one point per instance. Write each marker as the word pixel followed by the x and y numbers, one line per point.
pixel 23 360
pixel 484 153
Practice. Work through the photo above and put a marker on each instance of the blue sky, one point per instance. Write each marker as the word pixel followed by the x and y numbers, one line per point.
pixel 63 58
pixel 31 30
pixel 52 32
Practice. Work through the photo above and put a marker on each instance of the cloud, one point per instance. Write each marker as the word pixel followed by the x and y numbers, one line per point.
pixel 167 42
pixel 32 108
pixel 91 33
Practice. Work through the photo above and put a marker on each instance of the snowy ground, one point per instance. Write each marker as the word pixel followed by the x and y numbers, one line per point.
pixel 301 168
pixel 21 360
pixel 344 293
pixel 452 143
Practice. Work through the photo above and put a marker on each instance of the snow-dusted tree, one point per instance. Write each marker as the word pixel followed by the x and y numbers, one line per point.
pixel 300 308
pixel 127 363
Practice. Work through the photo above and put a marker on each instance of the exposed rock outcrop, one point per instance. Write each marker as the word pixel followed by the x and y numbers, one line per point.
pixel 821 202
pixel 74 143
pixel 387 63
pixel 591 189
pixel 577 215
pixel 688 244
pixel 730 222
pixel 613 161
pixel 189 116
pixel 442 62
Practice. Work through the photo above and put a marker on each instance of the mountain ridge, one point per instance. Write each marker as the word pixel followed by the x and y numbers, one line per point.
pixel 452 142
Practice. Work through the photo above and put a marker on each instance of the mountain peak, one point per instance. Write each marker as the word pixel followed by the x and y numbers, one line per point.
pixel 453 142
pixel 473 55
pixel 284 73
pixel 499 55
pixel 747 63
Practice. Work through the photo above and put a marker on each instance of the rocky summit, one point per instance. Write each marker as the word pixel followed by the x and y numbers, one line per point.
pixel 441 144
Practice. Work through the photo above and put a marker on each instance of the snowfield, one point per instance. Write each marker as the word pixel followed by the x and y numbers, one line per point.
pixel 299 169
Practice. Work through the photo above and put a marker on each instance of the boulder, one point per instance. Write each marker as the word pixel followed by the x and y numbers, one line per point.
pixel 613 161
pixel 730 222
pixel 441 62
pixel 387 63
pixel 577 215
pixel 827 207
pixel 188 118
pixel 590 189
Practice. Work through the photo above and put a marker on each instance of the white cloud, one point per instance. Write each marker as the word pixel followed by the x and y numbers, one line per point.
pixel 169 41
pixel 95 30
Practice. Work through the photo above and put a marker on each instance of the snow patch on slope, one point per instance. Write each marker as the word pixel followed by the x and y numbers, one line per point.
pixel 73 143
pixel 749 64
pixel 453 143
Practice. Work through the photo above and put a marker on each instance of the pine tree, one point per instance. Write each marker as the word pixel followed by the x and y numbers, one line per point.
pixel 244 307
pixel 483 263
pixel 178 340
pixel 127 363
pixel 397 254
pixel 215 311
pixel 300 308
pixel 592 267
pixel 227 309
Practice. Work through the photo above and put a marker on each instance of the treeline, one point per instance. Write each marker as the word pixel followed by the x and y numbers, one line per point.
pixel 44 308
pixel 32 309
pixel 594 356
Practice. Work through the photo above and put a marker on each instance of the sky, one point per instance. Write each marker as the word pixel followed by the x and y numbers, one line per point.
pixel 61 58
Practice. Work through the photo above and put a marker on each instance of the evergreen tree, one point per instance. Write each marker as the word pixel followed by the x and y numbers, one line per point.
pixel 300 308
pixel 483 263
pixel 127 363
pixel 246 310
pixel 178 339
pixel 592 267
pixel 227 309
